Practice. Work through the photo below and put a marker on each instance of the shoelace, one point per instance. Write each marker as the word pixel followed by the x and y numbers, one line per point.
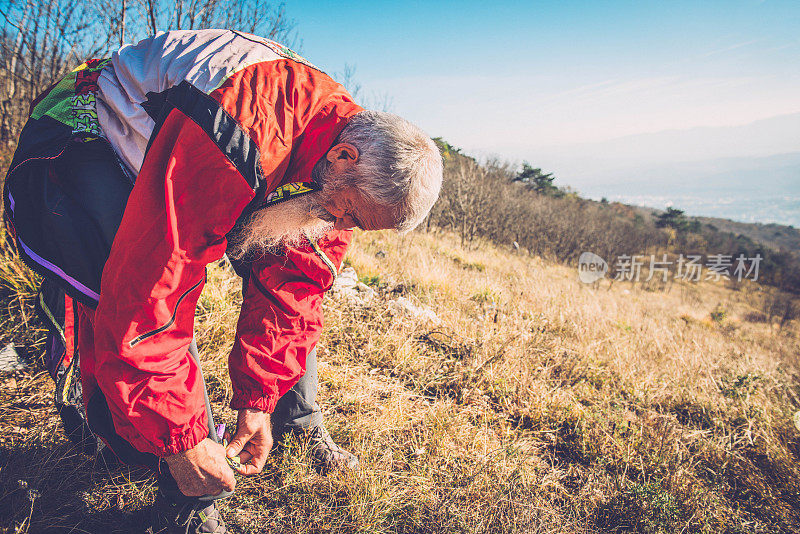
pixel 322 436
pixel 200 514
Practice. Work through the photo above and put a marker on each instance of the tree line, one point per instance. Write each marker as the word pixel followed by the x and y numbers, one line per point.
pixel 524 209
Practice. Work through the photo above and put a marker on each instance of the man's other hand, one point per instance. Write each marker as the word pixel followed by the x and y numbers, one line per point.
pixel 202 470
pixel 252 442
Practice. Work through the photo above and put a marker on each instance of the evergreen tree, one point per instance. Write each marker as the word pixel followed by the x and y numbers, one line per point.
pixel 535 179
pixel 675 218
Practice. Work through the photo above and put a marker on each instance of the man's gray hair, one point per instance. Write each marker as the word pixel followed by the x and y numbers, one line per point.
pixel 399 166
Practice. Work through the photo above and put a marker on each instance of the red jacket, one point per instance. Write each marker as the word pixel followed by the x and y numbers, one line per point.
pixel 228 119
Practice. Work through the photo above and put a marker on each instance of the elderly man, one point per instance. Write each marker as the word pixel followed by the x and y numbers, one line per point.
pixel 135 172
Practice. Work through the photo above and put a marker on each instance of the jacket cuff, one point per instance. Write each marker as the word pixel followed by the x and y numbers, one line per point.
pixel 183 442
pixel 257 400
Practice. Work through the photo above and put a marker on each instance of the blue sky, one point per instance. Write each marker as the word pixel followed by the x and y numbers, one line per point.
pixel 516 78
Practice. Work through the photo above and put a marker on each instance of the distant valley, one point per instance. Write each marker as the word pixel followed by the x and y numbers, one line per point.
pixel 748 173
pixel 765 190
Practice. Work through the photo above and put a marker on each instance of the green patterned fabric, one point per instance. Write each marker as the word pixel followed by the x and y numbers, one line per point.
pixel 72 101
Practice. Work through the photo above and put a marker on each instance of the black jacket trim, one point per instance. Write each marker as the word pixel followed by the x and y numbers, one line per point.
pixel 138 339
pixel 240 149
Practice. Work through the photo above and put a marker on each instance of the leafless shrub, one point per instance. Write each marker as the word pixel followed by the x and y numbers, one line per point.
pixel 780 307
pixel 755 317
pixel 480 199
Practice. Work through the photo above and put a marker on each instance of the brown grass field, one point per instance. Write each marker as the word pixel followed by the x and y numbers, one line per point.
pixel 538 405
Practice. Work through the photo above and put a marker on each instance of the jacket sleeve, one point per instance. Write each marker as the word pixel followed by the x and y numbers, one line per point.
pixel 281 319
pixel 186 198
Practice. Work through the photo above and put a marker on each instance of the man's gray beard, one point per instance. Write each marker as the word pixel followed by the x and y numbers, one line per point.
pixel 286 224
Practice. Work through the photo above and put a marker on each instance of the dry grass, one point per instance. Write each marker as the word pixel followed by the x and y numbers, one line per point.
pixel 539 404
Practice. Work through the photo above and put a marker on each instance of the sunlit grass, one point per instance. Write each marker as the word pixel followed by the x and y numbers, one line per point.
pixel 539 404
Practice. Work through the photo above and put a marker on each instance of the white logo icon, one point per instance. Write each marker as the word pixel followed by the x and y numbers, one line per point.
pixel 591 267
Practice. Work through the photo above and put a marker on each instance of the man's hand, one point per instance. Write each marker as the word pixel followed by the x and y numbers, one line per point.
pixel 252 442
pixel 202 470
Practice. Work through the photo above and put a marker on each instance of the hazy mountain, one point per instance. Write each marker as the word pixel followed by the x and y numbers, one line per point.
pixel 748 173
pixel 767 137
pixel 763 190
pixel 771 174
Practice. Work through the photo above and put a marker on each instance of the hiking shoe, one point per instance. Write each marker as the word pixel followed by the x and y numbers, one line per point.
pixel 193 517
pixel 326 455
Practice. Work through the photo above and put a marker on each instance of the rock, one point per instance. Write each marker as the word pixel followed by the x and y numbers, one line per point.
pixel 10 360
pixel 347 279
pixel 348 286
pixel 365 291
pixel 418 313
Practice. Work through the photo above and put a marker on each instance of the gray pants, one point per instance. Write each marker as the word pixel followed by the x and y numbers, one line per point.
pixel 298 408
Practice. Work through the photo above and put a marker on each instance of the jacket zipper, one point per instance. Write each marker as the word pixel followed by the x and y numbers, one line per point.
pixel 138 339
pixel 324 257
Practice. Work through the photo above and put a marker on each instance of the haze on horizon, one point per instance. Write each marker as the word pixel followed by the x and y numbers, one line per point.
pixel 600 93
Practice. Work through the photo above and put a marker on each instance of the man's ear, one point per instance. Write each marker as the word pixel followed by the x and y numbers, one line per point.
pixel 343 152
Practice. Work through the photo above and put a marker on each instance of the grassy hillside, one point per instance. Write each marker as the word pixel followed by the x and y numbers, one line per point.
pixel 539 404
pixel 771 235
pixel 776 236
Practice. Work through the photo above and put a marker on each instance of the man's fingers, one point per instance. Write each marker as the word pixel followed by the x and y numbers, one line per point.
pixel 228 480
pixel 252 459
pixel 249 464
pixel 241 468
pixel 249 469
pixel 238 442
pixel 210 486
pixel 260 459
pixel 251 442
